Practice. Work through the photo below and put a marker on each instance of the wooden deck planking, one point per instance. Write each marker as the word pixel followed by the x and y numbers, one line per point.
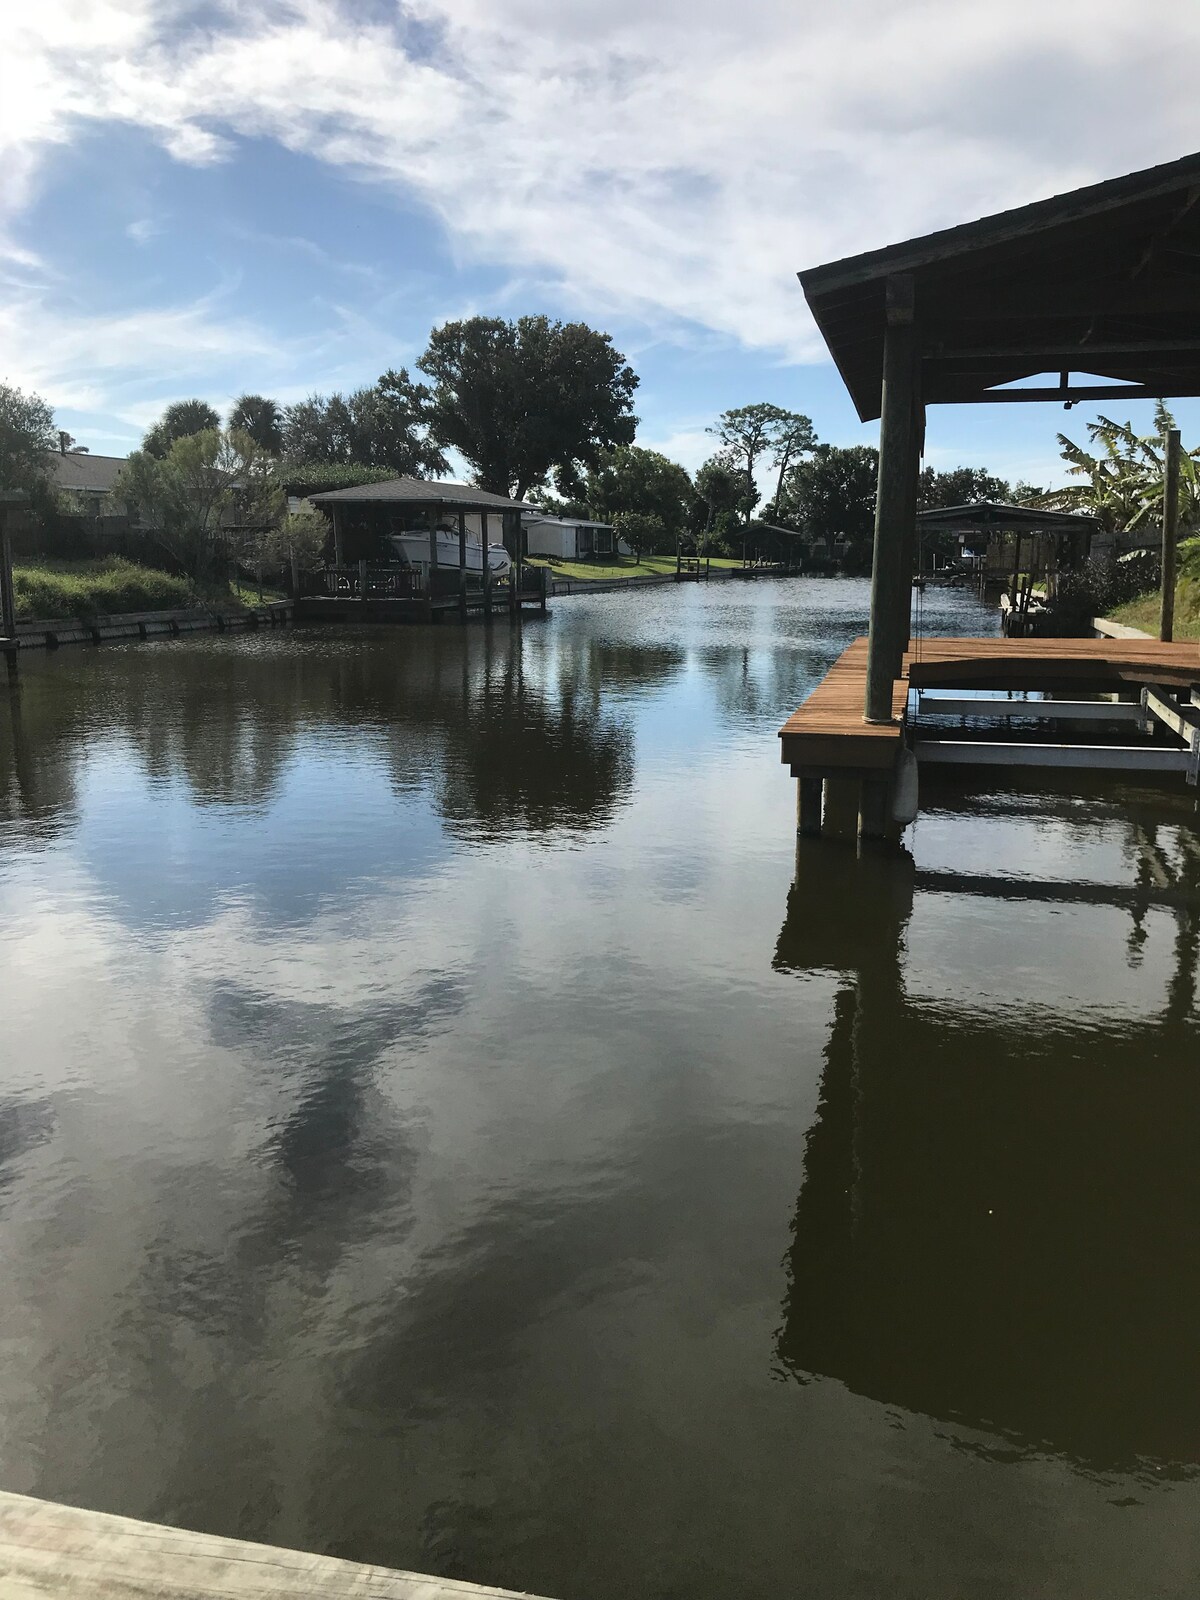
pixel 1035 663
pixel 50 1551
pixel 828 734
pixel 828 730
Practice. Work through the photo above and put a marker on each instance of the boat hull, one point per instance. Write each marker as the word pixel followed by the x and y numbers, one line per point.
pixel 413 550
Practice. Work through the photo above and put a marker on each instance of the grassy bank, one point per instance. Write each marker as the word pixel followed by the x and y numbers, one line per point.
pixel 609 567
pixel 1144 611
pixel 96 588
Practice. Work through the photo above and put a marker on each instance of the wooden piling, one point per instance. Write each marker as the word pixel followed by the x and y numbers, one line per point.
pixel 1170 534
pixel 8 597
pixel 891 589
pixel 809 797
pixel 487 570
pixel 462 565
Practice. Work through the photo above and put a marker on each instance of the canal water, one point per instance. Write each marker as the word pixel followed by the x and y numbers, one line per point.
pixel 443 1123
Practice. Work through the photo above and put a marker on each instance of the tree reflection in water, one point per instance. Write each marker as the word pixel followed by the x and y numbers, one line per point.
pixel 999 1224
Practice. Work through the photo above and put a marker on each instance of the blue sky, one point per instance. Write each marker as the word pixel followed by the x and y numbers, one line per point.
pixel 286 197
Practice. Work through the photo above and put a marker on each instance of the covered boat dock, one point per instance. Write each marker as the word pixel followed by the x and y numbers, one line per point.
pixel 366 582
pixel 1103 283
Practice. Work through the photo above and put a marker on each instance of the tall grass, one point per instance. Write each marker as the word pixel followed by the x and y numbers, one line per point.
pixel 97 588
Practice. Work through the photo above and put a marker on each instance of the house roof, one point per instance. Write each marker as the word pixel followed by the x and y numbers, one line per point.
pixel 1005 518
pixel 83 473
pixel 565 522
pixel 1102 280
pixel 421 492
pixel 791 533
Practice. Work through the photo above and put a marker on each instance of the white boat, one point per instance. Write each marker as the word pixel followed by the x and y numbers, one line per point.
pixel 413 549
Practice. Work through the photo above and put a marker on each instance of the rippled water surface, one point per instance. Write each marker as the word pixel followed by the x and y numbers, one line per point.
pixel 442 1122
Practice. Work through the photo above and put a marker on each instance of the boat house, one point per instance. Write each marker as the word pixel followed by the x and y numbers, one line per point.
pixel 365 517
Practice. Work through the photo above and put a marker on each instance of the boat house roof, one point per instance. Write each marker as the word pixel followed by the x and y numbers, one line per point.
pixel 421 492
pixel 565 522
pixel 1001 518
pixel 1104 281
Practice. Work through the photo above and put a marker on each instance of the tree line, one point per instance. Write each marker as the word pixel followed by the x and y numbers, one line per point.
pixel 535 407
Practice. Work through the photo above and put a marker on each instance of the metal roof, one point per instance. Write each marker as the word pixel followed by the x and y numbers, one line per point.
pixel 421 492
pixel 1005 518
pixel 1104 280
pixel 566 522
pixel 83 473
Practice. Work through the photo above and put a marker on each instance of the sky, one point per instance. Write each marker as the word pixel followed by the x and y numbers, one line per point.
pixel 209 198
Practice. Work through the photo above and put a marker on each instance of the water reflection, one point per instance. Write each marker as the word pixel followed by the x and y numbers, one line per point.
pixel 999 1223
pixel 505 735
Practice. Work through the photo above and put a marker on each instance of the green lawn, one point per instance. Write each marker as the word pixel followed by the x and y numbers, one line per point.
pixel 609 567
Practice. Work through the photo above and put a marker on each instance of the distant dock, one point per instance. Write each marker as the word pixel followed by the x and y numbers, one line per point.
pixel 50 1551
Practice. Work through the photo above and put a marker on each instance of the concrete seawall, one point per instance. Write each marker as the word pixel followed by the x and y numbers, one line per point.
pixel 50 632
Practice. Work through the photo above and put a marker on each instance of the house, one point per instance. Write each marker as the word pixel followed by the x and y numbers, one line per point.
pixel 86 482
pixel 571 538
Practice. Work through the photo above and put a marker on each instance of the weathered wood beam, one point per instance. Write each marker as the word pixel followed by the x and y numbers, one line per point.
pixel 891 587
pixel 1099 391
pixel 1054 350
pixel 1170 534
pixel 48 1550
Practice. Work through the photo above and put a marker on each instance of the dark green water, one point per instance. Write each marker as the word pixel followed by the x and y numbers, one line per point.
pixel 435 1129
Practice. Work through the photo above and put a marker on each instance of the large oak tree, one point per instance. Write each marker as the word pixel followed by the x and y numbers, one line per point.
pixel 520 400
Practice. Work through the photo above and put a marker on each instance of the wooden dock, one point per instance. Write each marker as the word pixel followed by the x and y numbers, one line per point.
pixel 50 1552
pixel 828 745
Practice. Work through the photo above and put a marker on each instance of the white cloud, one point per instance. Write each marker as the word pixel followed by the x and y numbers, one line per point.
pixel 677 162
pixel 674 164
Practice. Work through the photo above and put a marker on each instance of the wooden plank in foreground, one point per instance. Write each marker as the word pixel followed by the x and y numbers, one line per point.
pixel 49 1551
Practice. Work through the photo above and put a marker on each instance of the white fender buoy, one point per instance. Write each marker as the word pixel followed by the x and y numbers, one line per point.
pixel 905 797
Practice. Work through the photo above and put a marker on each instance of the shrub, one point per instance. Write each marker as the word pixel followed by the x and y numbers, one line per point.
pixel 97 588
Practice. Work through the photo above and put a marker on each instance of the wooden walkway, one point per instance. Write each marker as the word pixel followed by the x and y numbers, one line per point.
pixel 50 1552
pixel 828 735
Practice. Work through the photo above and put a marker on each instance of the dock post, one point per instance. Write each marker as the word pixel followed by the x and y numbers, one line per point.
pixel 911 546
pixel 462 565
pixel 873 815
pixel 514 572
pixel 362 582
pixel 809 794
pixel 1170 533
pixel 891 588
pixel 487 570
pixel 8 598
pixel 841 808
pixel 433 561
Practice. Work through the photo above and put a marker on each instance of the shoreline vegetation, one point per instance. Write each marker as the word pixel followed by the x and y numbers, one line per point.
pixel 114 586
pixel 1144 610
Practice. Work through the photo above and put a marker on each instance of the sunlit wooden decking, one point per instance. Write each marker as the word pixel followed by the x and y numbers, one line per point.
pixel 828 734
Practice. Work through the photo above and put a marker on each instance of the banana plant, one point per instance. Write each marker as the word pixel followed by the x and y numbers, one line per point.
pixel 1123 475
